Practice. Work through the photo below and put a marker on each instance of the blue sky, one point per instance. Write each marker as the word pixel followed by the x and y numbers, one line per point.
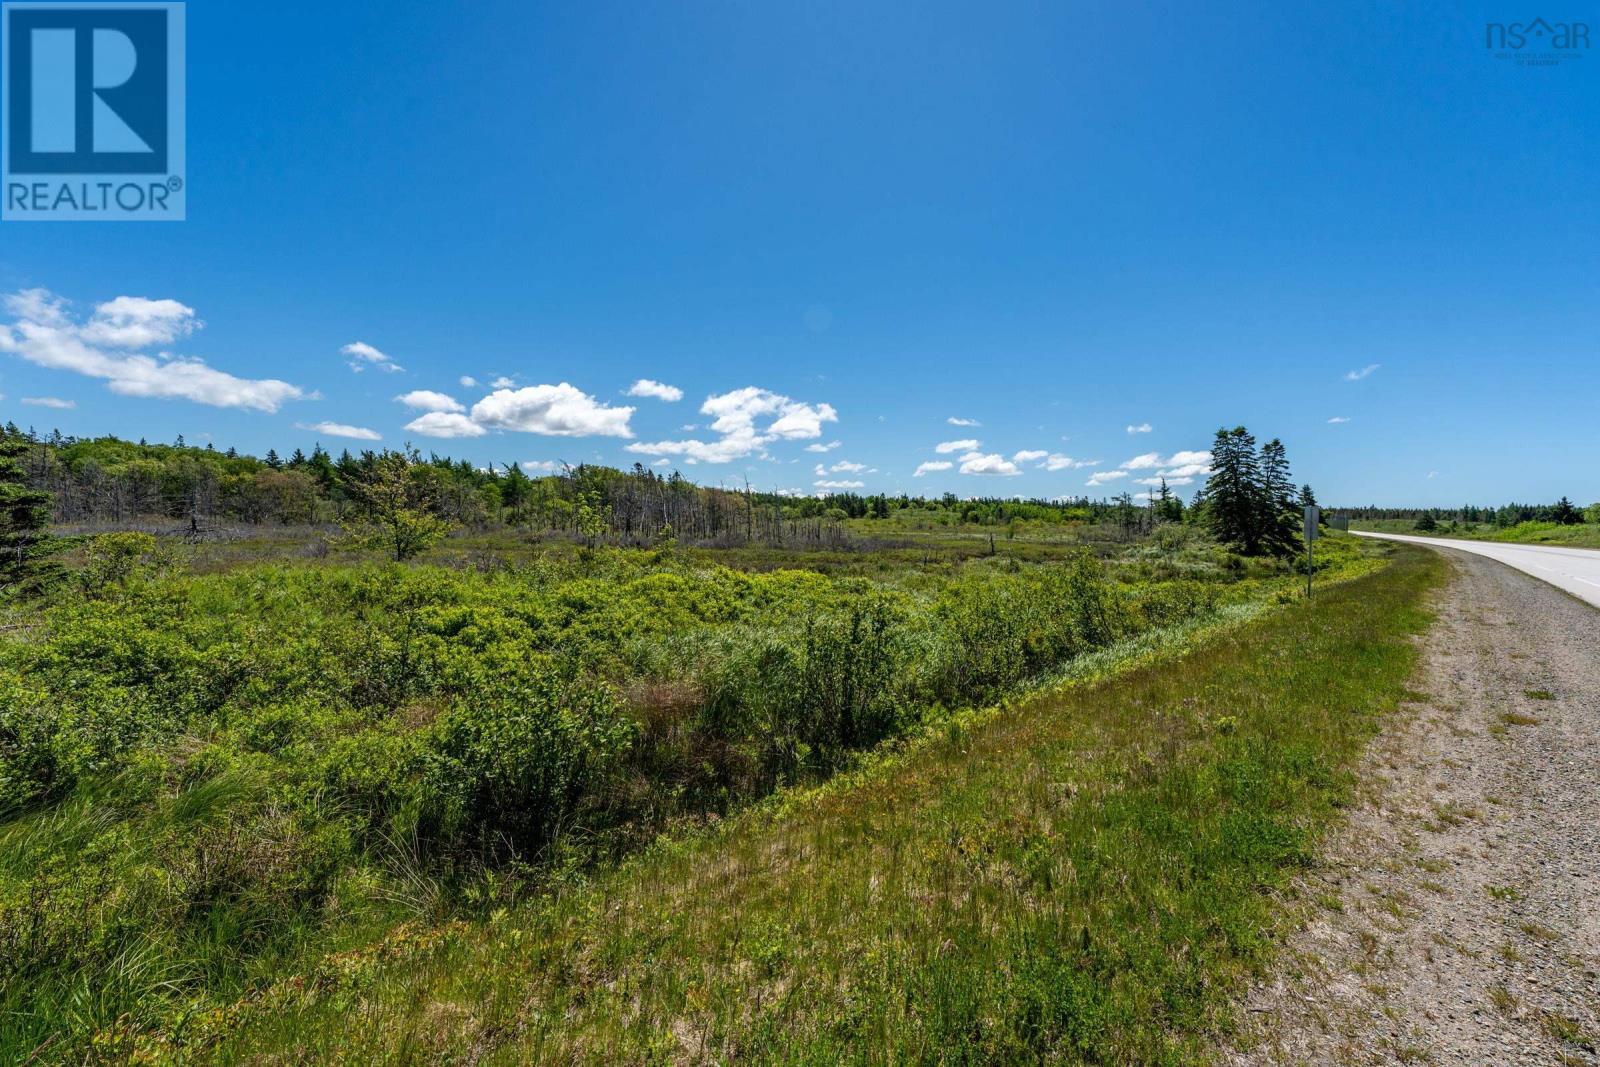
pixel 853 223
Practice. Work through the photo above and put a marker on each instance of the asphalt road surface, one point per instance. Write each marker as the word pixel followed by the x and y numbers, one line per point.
pixel 1576 570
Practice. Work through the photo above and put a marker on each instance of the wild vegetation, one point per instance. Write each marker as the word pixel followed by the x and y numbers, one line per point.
pixel 1078 878
pixel 222 772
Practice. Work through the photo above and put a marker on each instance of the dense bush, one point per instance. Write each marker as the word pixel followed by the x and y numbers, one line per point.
pixel 204 772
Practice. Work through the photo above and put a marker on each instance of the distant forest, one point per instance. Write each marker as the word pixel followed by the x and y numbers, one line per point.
pixel 1563 512
pixel 107 481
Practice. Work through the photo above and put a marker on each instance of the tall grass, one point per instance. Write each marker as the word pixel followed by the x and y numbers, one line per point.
pixel 206 780
pixel 1083 879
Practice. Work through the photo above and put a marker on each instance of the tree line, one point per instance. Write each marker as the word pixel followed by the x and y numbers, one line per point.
pixel 1563 513
pixel 110 481
pixel 405 501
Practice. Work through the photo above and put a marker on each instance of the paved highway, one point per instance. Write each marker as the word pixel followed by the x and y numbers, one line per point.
pixel 1577 570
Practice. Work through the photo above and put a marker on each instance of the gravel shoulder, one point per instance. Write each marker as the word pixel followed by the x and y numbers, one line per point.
pixel 1455 918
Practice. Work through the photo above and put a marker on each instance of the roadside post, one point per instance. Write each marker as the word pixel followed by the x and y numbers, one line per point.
pixel 1313 517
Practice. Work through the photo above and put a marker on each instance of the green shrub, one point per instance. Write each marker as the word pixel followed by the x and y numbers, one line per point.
pixel 516 768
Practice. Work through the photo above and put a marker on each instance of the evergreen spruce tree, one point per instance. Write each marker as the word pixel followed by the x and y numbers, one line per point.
pixel 1234 504
pixel 1278 501
pixel 24 516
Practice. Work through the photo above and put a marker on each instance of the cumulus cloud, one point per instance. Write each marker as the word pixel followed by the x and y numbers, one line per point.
pixel 1029 455
pixel 931 466
pixel 1104 477
pixel 554 410
pixel 1055 461
pixel 953 421
pixel 362 355
pixel 1171 482
pixel 843 467
pixel 992 463
pixel 541 466
pixel 1143 427
pixel 503 382
pixel 46 333
pixel 819 447
pixel 736 418
pixel 341 429
pixel 1338 419
pixel 826 484
pixel 1357 375
pixel 645 387
pixel 50 402
pixel 137 322
pixel 445 424
pixel 428 400
pixel 944 448
pixel 1180 465
pixel 467 381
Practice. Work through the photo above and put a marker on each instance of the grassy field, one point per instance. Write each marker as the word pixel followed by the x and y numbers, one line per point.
pixel 1076 876
pixel 231 787
pixel 1582 535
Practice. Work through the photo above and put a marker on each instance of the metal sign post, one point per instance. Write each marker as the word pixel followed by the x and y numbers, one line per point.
pixel 1313 517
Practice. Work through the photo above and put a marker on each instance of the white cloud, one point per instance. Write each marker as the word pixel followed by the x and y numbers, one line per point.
pixel 1058 462
pixel 992 463
pixel 1102 477
pixel 1338 419
pixel 428 400
pixel 1357 375
pixel 467 381
pixel 363 355
pixel 555 410
pixel 1143 427
pixel 1028 455
pixel 931 466
pixel 136 322
pixel 46 335
pixel 1170 481
pixel 829 447
pixel 503 382
pixel 1179 465
pixel 340 429
pixel 1433 474
pixel 542 466
pixel 645 387
pixel 944 448
pixel 50 402
pixel 838 485
pixel 844 466
pixel 445 424
pixel 735 415
pixel 953 421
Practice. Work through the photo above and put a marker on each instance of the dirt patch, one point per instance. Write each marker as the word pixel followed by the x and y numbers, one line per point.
pixel 1456 916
